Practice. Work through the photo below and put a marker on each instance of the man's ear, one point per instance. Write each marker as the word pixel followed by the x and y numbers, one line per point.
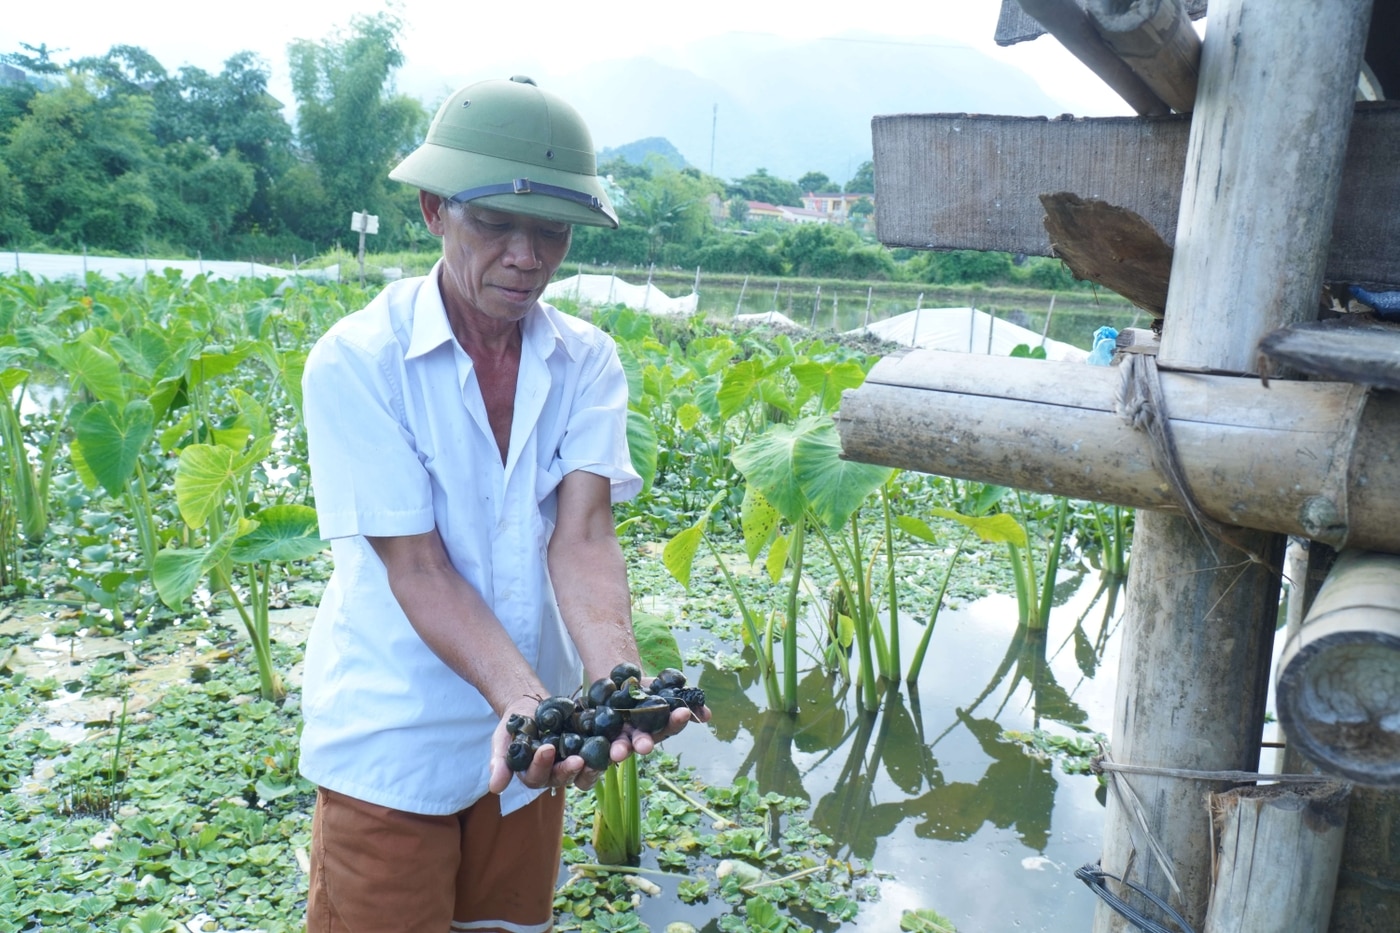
pixel 433 207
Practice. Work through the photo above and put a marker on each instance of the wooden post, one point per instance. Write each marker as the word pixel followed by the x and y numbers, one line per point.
pixel 1280 847
pixel 1267 138
pixel 739 305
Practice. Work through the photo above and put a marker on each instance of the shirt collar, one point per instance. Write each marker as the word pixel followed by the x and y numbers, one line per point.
pixel 431 329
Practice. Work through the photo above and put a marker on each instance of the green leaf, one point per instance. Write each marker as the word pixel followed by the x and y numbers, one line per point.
pixel 925 921
pixel 109 441
pixel 688 416
pixel 739 386
pixel 916 528
pixel 95 368
pixel 177 572
pixel 202 477
pixel 758 520
pixel 767 462
pixel 777 557
pixel 679 554
pixel 828 379
pixel 655 642
pixel 834 487
pixel 283 533
pixel 994 529
pixel 642 444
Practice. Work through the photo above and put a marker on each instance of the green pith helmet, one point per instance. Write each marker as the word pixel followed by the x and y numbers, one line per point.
pixel 512 147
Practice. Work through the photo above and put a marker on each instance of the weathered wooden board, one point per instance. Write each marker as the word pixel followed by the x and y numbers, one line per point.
pixel 1015 25
pixel 958 181
pixel 1107 244
pixel 1354 348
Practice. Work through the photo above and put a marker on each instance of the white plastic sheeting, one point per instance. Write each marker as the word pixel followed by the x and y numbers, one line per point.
pixel 771 318
pixel 967 330
pixel 605 290
pixel 57 267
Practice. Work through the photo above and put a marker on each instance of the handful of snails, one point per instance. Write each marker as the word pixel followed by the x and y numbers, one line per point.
pixel 587 726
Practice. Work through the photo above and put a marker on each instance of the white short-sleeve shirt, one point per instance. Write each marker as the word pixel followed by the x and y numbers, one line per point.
pixel 400 444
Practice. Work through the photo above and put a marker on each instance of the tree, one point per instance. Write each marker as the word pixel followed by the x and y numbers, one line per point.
pixel 826 251
pixel 234 113
pixel 814 182
pixel 738 209
pixel 760 186
pixel 863 181
pixel 351 123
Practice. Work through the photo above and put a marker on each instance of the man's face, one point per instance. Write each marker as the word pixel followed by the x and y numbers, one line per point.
pixel 495 264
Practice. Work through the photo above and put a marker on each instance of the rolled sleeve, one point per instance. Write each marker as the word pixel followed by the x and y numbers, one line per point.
pixel 365 468
pixel 596 437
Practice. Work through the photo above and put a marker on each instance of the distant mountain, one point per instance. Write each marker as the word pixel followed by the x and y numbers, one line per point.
pixel 637 152
pixel 743 101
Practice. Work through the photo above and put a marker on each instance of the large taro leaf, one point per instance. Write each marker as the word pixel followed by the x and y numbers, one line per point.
pixel 179 570
pixel 656 644
pixel 109 441
pixel 767 462
pixel 739 385
pixel 642 445
pixel 828 379
pixel 202 477
pixel 95 368
pixel 798 466
pixel 284 533
pixel 758 520
pixel 835 488
pixel 993 529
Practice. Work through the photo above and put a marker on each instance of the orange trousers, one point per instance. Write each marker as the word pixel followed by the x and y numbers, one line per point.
pixel 379 870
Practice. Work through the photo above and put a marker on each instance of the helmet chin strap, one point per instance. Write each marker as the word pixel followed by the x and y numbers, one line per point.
pixel 526 186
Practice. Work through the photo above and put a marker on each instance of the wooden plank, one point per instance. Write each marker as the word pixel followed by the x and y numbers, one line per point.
pixel 1280 848
pixel 1353 348
pixel 958 181
pixel 1112 246
pixel 1016 25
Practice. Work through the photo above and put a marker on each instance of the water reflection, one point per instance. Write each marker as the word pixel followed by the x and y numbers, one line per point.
pixel 929 787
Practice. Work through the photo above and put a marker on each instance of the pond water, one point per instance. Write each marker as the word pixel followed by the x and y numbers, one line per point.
pixel 963 820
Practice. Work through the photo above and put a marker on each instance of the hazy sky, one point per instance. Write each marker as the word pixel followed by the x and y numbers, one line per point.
pixel 448 44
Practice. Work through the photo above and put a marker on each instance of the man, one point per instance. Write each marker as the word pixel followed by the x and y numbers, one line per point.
pixel 466 443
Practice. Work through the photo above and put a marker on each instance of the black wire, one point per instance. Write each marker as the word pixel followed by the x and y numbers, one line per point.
pixel 1093 876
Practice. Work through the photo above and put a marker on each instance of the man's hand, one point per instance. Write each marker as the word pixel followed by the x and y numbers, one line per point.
pixel 544 771
pixel 642 743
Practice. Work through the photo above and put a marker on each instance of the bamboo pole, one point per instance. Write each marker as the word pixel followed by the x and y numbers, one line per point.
pixel 1269 130
pixel 1156 39
pixel 1281 458
pixel 1064 20
pixel 1338 692
pixel 1280 847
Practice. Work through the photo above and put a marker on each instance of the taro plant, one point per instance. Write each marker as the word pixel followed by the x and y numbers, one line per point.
pixel 679 559
pixel 213 486
pixel 799 477
pixel 617 817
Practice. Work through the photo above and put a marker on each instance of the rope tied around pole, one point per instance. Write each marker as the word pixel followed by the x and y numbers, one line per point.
pixel 1139 401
